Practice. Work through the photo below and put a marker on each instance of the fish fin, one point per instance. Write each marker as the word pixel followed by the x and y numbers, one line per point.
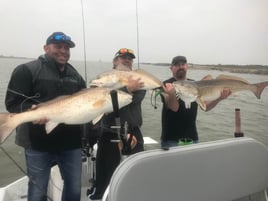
pixel 207 77
pixel 259 86
pixel 202 104
pixel 50 126
pixel 6 125
pixel 187 105
pixel 97 104
pixel 139 70
pixel 149 75
pixel 231 77
pixel 97 119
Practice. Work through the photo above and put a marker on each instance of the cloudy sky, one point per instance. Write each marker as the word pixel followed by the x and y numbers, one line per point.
pixel 206 31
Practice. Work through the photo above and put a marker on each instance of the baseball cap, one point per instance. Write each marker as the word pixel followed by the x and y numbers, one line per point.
pixel 178 59
pixel 60 37
pixel 125 51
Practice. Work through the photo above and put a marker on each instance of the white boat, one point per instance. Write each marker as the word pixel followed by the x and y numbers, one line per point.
pixel 223 170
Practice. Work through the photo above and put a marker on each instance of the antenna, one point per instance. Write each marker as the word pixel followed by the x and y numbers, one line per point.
pixel 138 43
pixel 84 39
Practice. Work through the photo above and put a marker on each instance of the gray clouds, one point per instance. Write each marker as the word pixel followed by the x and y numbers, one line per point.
pixel 207 31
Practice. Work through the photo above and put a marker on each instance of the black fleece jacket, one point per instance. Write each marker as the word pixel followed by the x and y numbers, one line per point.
pixel 36 82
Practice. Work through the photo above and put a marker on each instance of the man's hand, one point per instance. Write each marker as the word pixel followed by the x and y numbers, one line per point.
pixel 133 142
pixel 169 89
pixel 170 97
pixel 224 94
pixel 134 85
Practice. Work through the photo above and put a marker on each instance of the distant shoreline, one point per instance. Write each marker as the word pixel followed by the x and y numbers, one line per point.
pixel 13 57
pixel 250 69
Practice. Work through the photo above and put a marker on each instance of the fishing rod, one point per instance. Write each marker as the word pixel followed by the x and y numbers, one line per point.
pixel 12 159
pixel 85 138
pixel 33 98
pixel 84 39
pixel 87 147
pixel 155 92
pixel 25 173
pixel 138 42
pixel 121 130
pixel 37 95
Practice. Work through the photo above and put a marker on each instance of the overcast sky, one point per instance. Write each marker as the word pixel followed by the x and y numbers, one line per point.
pixel 205 31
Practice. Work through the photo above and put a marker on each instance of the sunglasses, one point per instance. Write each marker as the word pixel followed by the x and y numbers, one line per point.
pixel 61 37
pixel 125 50
pixel 126 57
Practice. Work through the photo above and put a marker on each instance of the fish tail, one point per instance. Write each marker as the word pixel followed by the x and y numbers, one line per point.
pixel 7 125
pixel 259 87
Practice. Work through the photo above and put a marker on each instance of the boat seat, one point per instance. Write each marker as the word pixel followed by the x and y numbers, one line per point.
pixel 223 170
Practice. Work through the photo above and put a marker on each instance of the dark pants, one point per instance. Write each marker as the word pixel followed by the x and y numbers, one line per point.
pixel 108 158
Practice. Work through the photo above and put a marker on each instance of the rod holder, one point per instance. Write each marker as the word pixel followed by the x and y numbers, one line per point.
pixel 238 132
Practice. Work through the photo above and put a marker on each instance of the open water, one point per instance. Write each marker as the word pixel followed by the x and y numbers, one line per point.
pixel 216 124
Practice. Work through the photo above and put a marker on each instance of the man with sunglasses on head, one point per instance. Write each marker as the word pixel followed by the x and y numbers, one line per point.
pixel 39 81
pixel 179 122
pixel 109 151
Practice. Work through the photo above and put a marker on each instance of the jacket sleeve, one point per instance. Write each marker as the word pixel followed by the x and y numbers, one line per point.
pixel 137 96
pixel 19 90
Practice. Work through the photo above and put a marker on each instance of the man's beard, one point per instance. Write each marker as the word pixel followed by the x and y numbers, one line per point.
pixel 180 74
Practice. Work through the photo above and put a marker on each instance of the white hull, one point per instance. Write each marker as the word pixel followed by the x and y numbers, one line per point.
pixel 224 170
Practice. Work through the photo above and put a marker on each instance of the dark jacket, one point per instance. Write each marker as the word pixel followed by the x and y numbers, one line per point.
pixel 132 114
pixel 179 124
pixel 36 82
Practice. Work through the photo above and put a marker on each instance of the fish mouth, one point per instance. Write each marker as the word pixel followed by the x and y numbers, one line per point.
pixel 157 88
pixel 93 86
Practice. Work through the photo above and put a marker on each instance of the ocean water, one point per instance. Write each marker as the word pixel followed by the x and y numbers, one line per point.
pixel 216 124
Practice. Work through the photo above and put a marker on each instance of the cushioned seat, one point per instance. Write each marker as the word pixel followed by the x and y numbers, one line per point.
pixel 221 170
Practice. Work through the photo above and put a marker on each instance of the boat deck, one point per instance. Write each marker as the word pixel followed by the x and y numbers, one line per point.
pixel 225 170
